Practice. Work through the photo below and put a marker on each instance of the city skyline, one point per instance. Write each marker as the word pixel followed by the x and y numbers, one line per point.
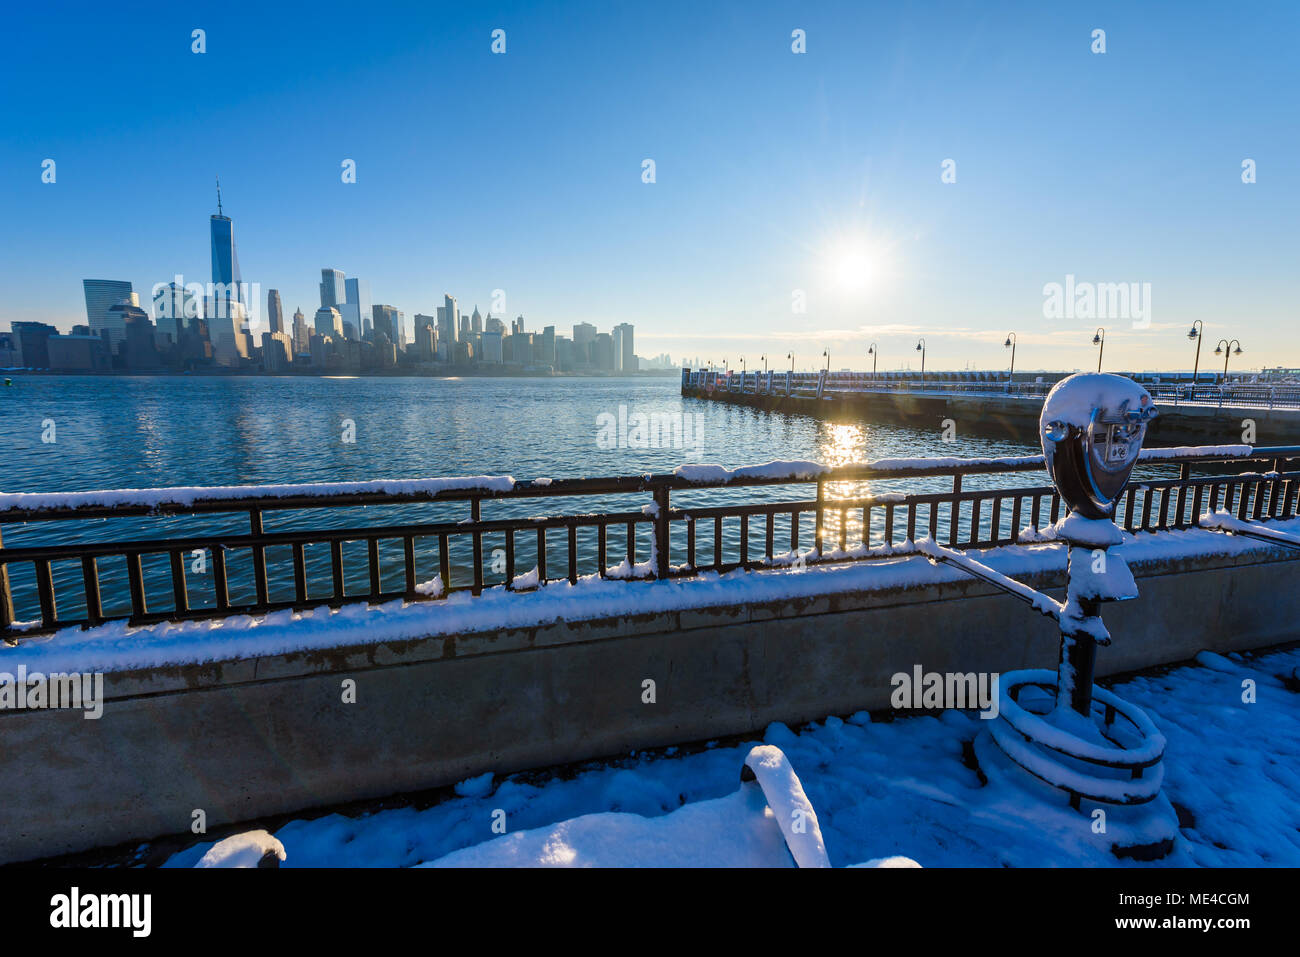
pixel 794 192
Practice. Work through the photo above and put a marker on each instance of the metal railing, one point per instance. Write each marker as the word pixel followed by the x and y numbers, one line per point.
pixel 845 524
pixel 807 384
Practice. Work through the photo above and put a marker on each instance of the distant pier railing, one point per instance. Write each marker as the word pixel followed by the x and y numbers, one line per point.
pixel 655 538
pixel 824 383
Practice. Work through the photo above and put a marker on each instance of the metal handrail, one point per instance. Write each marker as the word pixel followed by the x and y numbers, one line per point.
pixel 967 518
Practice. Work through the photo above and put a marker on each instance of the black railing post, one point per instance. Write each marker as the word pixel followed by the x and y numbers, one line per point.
pixel 259 558
pixel 661 531
pixel 6 597
pixel 476 516
pixel 818 532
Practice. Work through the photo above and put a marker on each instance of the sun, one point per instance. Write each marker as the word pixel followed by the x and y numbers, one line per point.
pixel 851 265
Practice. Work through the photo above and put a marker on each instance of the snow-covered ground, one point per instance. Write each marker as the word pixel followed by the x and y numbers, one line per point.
pixel 878 789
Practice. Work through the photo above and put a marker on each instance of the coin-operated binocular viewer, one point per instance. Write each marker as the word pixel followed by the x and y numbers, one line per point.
pixel 1055 732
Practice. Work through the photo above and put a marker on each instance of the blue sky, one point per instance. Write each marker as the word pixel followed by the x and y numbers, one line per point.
pixel 775 171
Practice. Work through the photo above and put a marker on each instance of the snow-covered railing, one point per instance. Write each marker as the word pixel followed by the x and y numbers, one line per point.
pixel 211 574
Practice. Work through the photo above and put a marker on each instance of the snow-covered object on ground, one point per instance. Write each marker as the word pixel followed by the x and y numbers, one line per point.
pixel 430 589
pixel 790 805
pixel 896 861
pixel 248 849
pixel 529 579
pixel 732 831
pixel 900 788
pixel 1073 399
pixel 478 786
pixel 766 823
pixel 155 497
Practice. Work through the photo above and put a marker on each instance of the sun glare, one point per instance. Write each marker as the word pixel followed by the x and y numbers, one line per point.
pixel 851 266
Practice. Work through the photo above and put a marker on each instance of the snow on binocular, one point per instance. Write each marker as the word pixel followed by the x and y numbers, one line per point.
pixel 1092 427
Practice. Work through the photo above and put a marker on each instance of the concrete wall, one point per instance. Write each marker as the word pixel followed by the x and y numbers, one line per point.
pixel 266 736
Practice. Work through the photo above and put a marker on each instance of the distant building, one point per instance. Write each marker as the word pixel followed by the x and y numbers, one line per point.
pixel 79 352
pixel 101 295
pixel 624 352
pixel 426 339
pixel 476 322
pixel 228 332
pixel 328 324
pixel 320 348
pixel 274 311
pixel 545 345
pixel 385 320
pixel 358 305
pixel 11 351
pixel 492 348
pixel 332 290
pixel 33 343
pixel 602 352
pixel 563 354
pixel 301 333
pixel 451 318
pixel 139 350
pixel 225 271
pixel 277 351
pixel 584 334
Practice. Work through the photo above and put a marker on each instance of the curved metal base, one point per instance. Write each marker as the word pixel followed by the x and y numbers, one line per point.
pixel 1143 832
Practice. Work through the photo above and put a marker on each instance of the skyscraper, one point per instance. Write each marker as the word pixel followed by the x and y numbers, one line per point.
pixel 274 311
pixel 225 258
pixel 386 321
pixel 452 319
pixel 332 290
pixel 301 333
pixel 102 295
pixel 476 322
pixel 624 353
pixel 584 334
pixel 329 323
pixel 546 346
pixel 359 304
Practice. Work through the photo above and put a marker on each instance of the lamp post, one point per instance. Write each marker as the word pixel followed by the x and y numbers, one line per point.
pixel 1011 344
pixel 920 347
pixel 1224 348
pixel 764 358
pixel 790 356
pixel 1099 340
pixel 1198 334
pixel 827 354
pixel 873 351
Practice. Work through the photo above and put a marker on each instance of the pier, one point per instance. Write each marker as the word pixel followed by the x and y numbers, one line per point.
pixel 714 603
pixel 993 404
